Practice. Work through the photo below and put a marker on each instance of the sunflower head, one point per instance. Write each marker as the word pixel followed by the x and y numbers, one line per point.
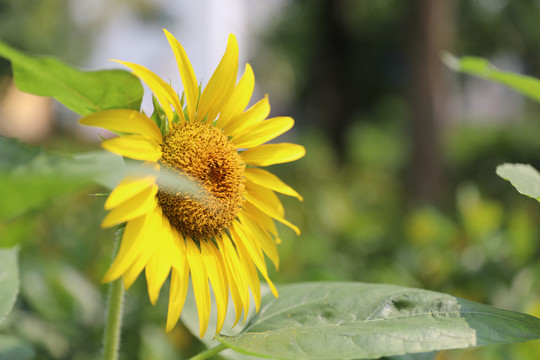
pixel 205 154
pixel 218 232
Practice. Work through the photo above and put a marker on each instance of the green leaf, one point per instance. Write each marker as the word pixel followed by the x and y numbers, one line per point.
pixel 84 92
pixel 159 116
pixel 30 176
pixel 526 85
pixel 12 348
pixel 9 280
pixel 366 321
pixel 524 177
pixel 417 356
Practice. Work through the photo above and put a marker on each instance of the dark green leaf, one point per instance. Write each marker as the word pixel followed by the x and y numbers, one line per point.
pixel 418 356
pixel 524 177
pixel 14 349
pixel 84 92
pixel 526 85
pixel 159 116
pixel 9 280
pixel 369 321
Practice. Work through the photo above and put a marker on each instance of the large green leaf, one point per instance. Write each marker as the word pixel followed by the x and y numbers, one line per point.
pixel 524 177
pixel 526 85
pixel 84 92
pixel 9 280
pixel 367 321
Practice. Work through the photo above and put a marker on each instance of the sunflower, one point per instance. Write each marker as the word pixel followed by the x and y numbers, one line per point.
pixel 219 231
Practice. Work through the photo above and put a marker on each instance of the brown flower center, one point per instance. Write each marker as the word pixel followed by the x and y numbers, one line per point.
pixel 205 155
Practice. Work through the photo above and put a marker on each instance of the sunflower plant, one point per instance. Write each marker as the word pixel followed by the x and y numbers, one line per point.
pixel 192 206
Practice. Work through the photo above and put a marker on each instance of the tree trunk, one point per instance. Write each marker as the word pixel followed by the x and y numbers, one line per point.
pixel 429 35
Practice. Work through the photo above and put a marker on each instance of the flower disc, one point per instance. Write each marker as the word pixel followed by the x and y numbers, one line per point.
pixel 204 154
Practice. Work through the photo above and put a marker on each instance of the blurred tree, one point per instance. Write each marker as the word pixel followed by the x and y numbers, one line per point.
pixel 352 55
pixel 346 58
pixel 346 55
pixel 429 23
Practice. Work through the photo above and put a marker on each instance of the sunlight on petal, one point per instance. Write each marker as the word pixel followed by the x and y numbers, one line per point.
pixel 191 89
pixel 124 121
pixel 201 290
pixel 258 134
pixel 270 154
pixel 163 91
pixel 255 114
pixel 268 180
pixel 239 98
pixel 142 203
pixel 221 84
pixel 133 146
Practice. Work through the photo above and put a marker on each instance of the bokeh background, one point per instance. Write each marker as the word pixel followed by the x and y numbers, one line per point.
pixel 399 178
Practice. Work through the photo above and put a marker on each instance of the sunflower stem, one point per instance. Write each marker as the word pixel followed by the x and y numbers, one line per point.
pixel 111 338
pixel 113 324
pixel 209 353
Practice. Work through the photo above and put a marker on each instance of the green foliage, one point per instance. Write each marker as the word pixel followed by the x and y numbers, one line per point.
pixel 30 177
pixel 12 348
pixel 524 177
pixel 9 280
pixel 365 321
pixel 83 92
pixel 526 85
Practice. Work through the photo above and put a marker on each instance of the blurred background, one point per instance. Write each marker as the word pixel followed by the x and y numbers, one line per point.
pixel 399 178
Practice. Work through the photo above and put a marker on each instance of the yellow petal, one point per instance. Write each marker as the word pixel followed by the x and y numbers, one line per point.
pixel 132 245
pixel 237 272
pixel 134 146
pixel 124 121
pixel 154 224
pixel 177 294
pixel 163 91
pixel 132 273
pixel 249 273
pixel 266 201
pixel 221 84
pixel 268 180
pixel 142 203
pixel 127 188
pixel 191 89
pixel 214 267
pixel 270 154
pixel 238 282
pixel 159 265
pixel 263 238
pixel 255 114
pixel 245 239
pixel 260 218
pixel 239 98
pixel 260 133
pixel 201 290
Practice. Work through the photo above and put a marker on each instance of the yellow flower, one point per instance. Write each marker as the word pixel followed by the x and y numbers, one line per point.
pixel 220 231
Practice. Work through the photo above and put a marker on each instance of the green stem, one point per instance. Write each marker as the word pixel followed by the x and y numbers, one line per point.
pixel 209 353
pixel 111 338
